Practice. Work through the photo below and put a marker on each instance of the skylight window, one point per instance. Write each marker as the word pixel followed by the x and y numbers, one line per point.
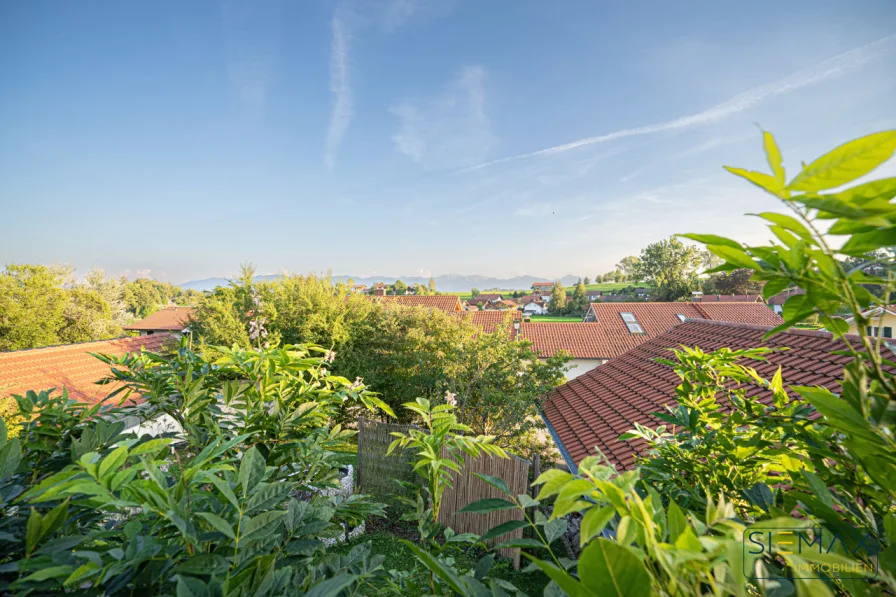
pixel 681 316
pixel 631 322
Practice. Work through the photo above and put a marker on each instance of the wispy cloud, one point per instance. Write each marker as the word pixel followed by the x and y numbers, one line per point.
pixel 398 12
pixel 823 71
pixel 395 14
pixel 340 86
pixel 450 130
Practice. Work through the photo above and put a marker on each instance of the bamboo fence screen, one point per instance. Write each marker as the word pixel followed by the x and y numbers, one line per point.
pixel 376 472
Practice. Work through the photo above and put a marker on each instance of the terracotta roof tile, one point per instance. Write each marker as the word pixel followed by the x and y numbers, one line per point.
pixel 581 340
pixel 490 320
pixel 730 298
pixel 69 366
pixel 752 313
pixel 170 318
pixel 445 302
pixel 594 409
pixel 781 297
pixel 657 318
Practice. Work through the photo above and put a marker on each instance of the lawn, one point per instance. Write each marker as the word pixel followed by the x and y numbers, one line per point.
pixel 603 287
pixel 556 319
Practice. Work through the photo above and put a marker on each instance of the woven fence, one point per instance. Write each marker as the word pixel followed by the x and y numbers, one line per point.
pixel 376 472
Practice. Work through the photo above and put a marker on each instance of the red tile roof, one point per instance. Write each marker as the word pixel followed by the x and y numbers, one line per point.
pixel 542 284
pixel 730 298
pixel 581 340
pixel 445 302
pixel 69 366
pixel 490 320
pixel 594 409
pixel 658 318
pixel 484 298
pixel 752 313
pixel 170 318
pixel 781 297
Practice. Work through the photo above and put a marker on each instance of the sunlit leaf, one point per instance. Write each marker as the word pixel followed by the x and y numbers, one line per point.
pixel 846 163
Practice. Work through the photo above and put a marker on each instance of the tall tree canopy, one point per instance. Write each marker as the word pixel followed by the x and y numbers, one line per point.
pixel 670 267
pixel 628 266
pixel 557 306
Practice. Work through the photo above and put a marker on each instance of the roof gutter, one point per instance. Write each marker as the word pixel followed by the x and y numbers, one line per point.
pixel 570 463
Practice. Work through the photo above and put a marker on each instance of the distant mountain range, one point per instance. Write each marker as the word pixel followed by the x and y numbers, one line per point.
pixel 447 283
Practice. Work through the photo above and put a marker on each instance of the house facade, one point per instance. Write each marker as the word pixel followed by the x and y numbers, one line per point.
pixel 883 322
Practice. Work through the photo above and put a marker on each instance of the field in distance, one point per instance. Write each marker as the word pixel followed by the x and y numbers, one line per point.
pixel 603 287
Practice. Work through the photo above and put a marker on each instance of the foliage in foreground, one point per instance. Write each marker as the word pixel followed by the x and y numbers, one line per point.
pixel 230 505
pixel 798 458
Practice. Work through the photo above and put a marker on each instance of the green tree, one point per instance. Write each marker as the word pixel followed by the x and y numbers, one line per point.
pixel 399 288
pixel 558 306
pixel 735 282
pixel 87 316
pixel 670 267
pixel 112 291
pixel 628 266
pixel 143 297
pixel 587 280
pixel 474 292
pixel 579 300
pixel 432 286
pixel 32 304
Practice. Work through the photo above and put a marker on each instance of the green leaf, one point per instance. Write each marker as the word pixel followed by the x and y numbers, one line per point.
pixel 487 505
pixel 555 528
pixel 251 469
pixel 788 222
pixel 33 530
pixel 762 180
pixel 835 325
pixel 688 541
pixel 883 189
pixel 218 523
pixel 837 412
pixel 607 568
pixel 51 572
pixel 114 460
pixel 332 587
pixel 443 572
pixel 496 482
pixel 570 585
pixel 734 256
pixel 846 163
pixel 523 543
pixel 225 490
pixel 773 155
pixel 866 242
pixel 150 447
pixel 819 489
pixel 676 520
pixel 712 239
pixel 503 529
pixel 266 495
pixel 594 522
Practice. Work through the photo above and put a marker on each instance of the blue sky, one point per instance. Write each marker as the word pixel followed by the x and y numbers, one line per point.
pixel 401 137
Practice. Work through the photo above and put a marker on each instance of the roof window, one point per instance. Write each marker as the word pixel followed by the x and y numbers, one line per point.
pixel 631 322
